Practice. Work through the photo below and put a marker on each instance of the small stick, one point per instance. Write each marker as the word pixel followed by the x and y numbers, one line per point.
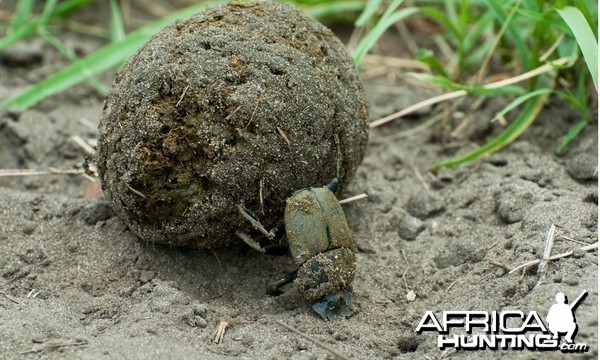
pixel 548 244
pixel 182 95
pixel 55 346
pixel 33 172
pixel 353 198
pixel 261 185
pixel 11 298
pixel 83 144
pixel 233 112
pixel 573 240
pixel 420 179
pixel 456 94
pixel 497 264
pixel 219 332
pixel 590 247
pixel 137 192
pixel 313 340
pixel 258 101
pixel 284 137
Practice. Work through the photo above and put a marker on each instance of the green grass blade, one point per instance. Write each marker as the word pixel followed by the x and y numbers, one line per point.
pixel 97 62
pixel 377 31
pixel 30 27
pixel 516 128
pixel 513 32
pixel 572 134
pixel 117 29
pixel 47 12
pixel 328 9
pixel 585 38
pixel 370 10
pixel 22 13
pixel 520 100
pixel 442 19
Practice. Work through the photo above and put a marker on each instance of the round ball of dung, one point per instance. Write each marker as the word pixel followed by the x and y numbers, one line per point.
pixel 240 105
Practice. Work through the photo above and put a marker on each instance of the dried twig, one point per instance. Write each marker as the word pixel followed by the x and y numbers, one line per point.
pixel 284 137
pixel 420 179
pixel 313 340
pixel 548 244
pixel 33 172
pixel 55 346
pixel 233 112
pixel 219 331
pixel 497 264
pixel 590 247
pixel 182 95
pixel 137 192
pixel 353 198
pixel 456 94
pixel 11 298
pixel 83 144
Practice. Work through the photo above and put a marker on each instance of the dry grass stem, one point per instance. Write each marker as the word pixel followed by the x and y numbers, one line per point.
pixel 219 331
pixel 313 340
pixel 83 144
pixel 548 244
pixel 55 346
pixel 497 264
pixel 33 172
pixel 11 298
pixel 590 247
pixel 353 198
pixel 456 94
pixel 182 95
pixel 284 137
pixel 421 179
pixel 233 112
pixel 137 192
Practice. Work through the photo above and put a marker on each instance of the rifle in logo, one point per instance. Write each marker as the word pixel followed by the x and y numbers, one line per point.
pixel 561 316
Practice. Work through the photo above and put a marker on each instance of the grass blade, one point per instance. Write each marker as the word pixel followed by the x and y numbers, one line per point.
pixel 512 30
pixel 371 8
pixel 117 29
pixel 516 128
pixel 585 38
pixel 97 62
pixel 22 13
pixel 573 132
pixel 377 31
pixel 520 100
pixel 30 27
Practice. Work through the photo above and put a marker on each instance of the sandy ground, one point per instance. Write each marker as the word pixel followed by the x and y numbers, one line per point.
pixel 76 283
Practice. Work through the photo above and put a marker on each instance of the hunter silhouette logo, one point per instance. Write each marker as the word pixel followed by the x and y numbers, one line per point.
pixel 507 329
pixel 561 317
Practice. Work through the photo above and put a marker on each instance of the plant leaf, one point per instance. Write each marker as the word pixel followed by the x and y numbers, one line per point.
pixel 377 31
pixel 573 132
pixel 520 100
pixel 514 130
pixel 99 61
pixel 585 38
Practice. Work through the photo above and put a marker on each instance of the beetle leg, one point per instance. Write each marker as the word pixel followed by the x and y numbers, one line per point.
pixel 257 225
pixel 275 285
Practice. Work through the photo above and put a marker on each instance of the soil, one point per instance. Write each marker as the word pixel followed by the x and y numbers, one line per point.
pixel 76 283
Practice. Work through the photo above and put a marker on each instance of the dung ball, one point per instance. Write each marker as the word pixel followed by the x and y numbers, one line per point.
pixel 242 104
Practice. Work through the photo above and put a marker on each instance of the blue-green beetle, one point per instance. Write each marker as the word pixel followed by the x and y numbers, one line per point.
pixel 320 243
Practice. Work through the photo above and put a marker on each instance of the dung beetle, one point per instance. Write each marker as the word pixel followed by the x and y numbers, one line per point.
pixel 320 243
